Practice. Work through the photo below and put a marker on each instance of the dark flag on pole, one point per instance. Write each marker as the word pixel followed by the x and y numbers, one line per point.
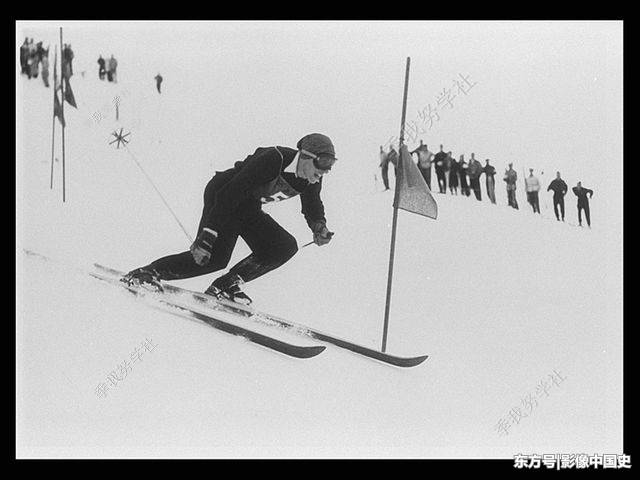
pixel 414 195
pixel 57 109
pixel 68 93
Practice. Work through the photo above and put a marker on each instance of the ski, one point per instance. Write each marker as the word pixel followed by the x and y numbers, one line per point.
pixel 272 320
pixel 166 305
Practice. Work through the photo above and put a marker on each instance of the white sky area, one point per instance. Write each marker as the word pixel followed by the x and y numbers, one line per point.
pixel 548 95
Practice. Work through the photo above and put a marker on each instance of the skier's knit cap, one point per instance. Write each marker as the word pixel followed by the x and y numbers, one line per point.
pixel 317 144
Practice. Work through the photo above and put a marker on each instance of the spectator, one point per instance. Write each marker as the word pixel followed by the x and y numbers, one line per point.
pixel 45 67
pixel 24 57
pixel 67 61
pixel 111 70
pixel 474 171
pixel 424 162
pixel 489 174
pixel 440 160
pixel 101 68
pixel 511 177
pixel 453 176
pixel 385 159
pixel 559 191
pixel 583 202
pixel 532 186
pixel 33 60
pixel 462 173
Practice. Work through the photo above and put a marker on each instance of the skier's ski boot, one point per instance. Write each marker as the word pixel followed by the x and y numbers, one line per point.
pixel 228 287
pixel 147 278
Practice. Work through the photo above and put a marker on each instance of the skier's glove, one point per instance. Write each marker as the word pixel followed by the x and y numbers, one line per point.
pixel 202 247
pixel 321 235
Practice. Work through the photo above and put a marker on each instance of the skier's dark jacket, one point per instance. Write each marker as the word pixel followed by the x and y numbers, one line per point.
pixel 559 187
pixel 258 179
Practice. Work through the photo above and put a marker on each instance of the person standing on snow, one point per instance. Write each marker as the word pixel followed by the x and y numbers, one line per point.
pixel 158 78
pixel 489 174
pixel 424 162
pixel 233 202
pixel 474 171
pixel 532 185
pixel 112 67
pixel 453 176
pixel 101 68
pixel 511 177
pixel 440 160
pixel 559 188
pixel 462 173
pixel 583 202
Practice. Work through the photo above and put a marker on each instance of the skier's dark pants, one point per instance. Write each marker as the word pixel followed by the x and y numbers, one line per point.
pixel 442 182
pixel 475 186
pixel 426 174
pixel 558 201
pixel 585 207
pixel 271 245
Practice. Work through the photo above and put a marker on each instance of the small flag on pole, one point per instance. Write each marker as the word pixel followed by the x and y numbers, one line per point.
pixel 57 109
pixel 68 93
pixel 415 195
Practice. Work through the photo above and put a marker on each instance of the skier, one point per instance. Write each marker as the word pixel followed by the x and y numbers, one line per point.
pixel 440 160
pixel 424 162
pixel 158 78
pixel 511 177
pixel 489 173
pixel 559 188
pixel 474 171
pixel 532 185
pixel 233 207
pixel 583 202
pixel 101 70
pixel 462 172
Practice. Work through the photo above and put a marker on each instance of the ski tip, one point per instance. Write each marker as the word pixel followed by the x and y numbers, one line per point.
pixel 310 352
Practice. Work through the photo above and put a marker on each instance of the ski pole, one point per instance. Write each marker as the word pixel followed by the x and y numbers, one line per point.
pixel 329 234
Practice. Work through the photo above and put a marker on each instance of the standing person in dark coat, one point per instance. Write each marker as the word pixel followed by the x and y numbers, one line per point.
pixel 559 191
pixel 158 82
pixel 462 173
pixel 101 68
pixel 440 161
pixel 474 171
pixel 489 174
pixel 453 176
pixel 511 177
pixel 583 202
pixel 233 202
pixel 24 57
pixel 424 162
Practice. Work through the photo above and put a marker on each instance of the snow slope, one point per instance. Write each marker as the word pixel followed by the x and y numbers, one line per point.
pixel 498 298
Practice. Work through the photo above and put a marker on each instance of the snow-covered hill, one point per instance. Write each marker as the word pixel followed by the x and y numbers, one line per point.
pixel 500 300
